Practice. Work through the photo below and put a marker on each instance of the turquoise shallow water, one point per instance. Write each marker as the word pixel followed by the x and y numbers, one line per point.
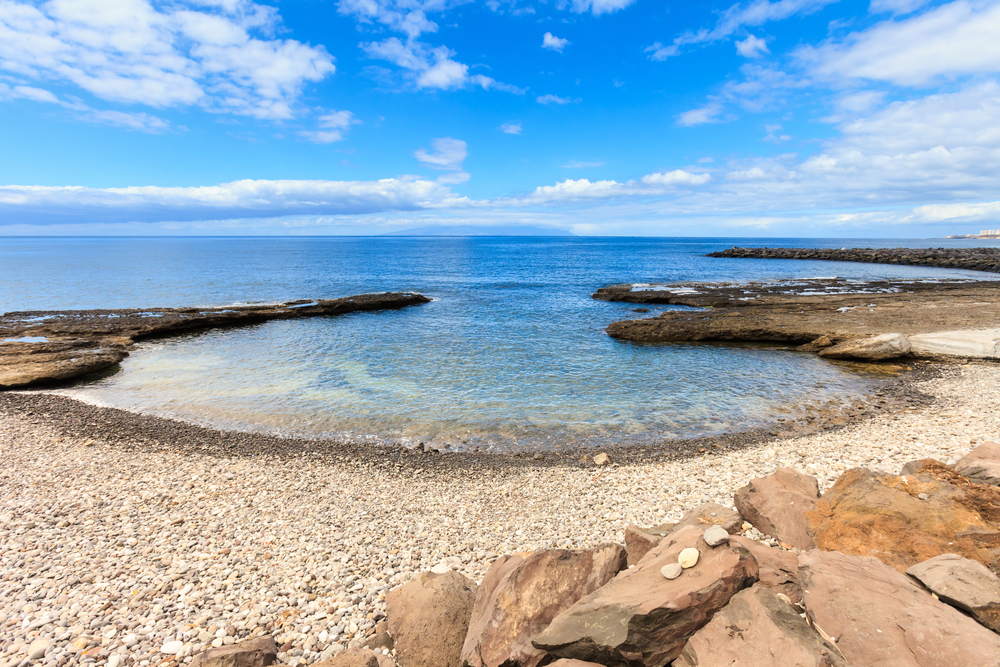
pixel 511 352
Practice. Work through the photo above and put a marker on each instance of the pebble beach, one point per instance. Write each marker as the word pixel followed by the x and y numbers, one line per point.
pixel 112 554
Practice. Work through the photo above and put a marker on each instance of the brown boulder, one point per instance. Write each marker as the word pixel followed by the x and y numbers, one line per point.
pixel 964 584
pixel 874 348
pixel 353 657
pixel 756 629
pixel 642 618
pixel 259 652
pixel 982 464
pixel 777 504
pixel 778 569
pixel 428 617
pixel 880 618
pixel 569 662
pixel 520 596
pixel 638 541
pixel 904 520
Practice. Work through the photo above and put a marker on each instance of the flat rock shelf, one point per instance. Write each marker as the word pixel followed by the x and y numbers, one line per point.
pixel 972 259
pixel 39 347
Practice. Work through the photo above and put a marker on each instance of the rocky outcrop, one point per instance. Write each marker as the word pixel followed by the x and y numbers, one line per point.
pixel 639 541
pixel 878 617
pixel 972 259
pixel 981 465
pixel 778 569
pixel 520 596
pixel 46 346
pixel 777 504
pixel 875 348
pixel 757 629
pixel 429 617
pixel 964 584
pixel 977 344
pixel 904 520
pixel 643 618
pixel 259 652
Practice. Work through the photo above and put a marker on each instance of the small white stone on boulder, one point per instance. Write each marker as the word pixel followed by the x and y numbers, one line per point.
pixel 671 570
pixel 715 536
pixel 688 558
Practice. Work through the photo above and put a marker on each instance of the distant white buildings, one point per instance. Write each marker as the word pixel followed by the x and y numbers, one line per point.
pixel 990 232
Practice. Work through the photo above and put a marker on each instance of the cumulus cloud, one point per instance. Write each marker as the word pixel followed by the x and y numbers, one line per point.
pixel 751 47
pixel 332 125
pixel 511 128
pixel 213 55
pixel 956 39
pixel 432 67
pixel 550 41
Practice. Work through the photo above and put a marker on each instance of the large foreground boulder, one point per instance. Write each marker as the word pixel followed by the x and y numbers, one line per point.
pixel 880 618
pixel 520 596
pixel 259 652
pixel 777 504
pixel 982 464
pixel 964 584
pixel 643 618
pixel 639 541
pixel 876 348
pixel 778 570
pixel 756 629
pixel 428 618
pixel 905 520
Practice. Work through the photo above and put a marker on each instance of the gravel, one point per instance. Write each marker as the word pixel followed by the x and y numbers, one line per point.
pixel 112 554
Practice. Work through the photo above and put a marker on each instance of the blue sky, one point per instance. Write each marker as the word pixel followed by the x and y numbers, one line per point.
pixel 794 117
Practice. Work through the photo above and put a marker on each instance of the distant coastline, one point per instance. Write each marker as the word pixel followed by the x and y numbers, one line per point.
pixel 983 234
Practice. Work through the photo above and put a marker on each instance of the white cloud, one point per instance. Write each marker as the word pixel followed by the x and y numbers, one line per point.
pixel 957 39
pixel 574 164
pixel 134 53
pixel 332 127
pixel 752 47
pixel 676 177
pixel 511 128
pixel 598 7
pixel 896 7
pixel 555 99
pixel 432 67
pixel 762 88
pixel 550 41
pixel 406 16
pixel 142 122
pixel 448 155
pixel 658 52
pixel 706 114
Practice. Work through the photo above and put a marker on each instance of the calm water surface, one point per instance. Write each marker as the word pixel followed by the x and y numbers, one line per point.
pixel 511 352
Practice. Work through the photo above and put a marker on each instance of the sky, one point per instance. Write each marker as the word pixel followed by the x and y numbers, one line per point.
pixel 601 117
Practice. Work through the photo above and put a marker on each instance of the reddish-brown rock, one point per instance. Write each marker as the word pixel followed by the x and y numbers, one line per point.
pixel 569 662
pixel 354 657
pixel 982 464
pixel 880 618
pixel 964 584
pixel 638 541
pixel 642 618
pixel 904 520
pixel 428 618
pixel 756 629
pixel 259 652
pixel 778 569
pixel 777 504
pixel 520 596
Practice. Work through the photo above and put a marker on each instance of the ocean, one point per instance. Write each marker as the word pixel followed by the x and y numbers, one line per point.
pixel 510 354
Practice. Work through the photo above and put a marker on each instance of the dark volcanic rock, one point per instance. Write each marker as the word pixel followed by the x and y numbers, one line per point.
pixel 642 618
pixel 520 596
pixel 47 346
pixel 777 504
pixel 972 259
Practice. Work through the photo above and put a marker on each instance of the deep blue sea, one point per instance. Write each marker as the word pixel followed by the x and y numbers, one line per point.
pixel 510 354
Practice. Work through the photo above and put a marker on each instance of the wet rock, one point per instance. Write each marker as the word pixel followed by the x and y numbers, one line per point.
pixel 875 348
pixel 982 464
pixel 638 541
pixel 520 596
pixel 879 617
pixel 429 617
pixel 756 629
pixel 777 504
pixel 641 618
pixel 881 515
pixel 964 584
pixel 258 652
pixel 778 570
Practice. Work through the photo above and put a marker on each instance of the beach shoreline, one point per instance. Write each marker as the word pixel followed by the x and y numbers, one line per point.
pixel 113 545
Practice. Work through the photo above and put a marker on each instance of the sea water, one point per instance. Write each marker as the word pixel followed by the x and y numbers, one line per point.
pixel 511 353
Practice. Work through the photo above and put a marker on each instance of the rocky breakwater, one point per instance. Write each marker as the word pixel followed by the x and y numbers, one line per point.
pixel 881 570
pixel 46 346
pixel 972 259
pixel 840 319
